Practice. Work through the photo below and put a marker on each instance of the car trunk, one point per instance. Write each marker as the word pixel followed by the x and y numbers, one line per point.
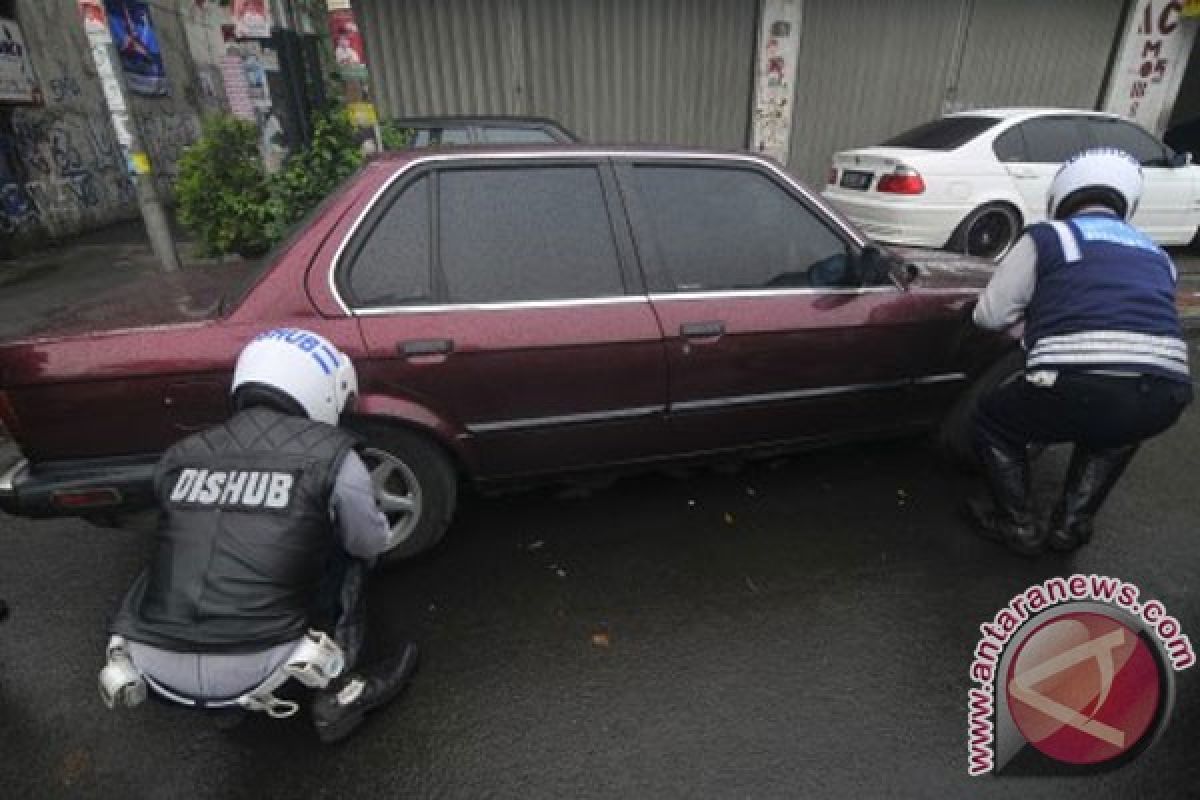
pixel 150 300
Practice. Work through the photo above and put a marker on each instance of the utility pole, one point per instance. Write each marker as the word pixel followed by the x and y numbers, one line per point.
pixel 104 56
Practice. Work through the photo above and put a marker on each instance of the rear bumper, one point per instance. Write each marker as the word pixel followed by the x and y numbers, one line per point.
pixel 898 219
pixel 54 490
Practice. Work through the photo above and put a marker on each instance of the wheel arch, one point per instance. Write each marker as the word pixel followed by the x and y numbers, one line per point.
pixel 394 412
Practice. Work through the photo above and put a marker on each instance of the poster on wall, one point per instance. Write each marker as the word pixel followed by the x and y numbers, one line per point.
pixel 17 84
pixel 137 46
pixel 251 19
pixel 1150 63
pixel 348 49
pixel 775 78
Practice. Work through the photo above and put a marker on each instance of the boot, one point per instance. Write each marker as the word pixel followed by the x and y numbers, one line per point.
pixel 350 630
pixel 1008 519
pixel 1091 475
pixel 339 708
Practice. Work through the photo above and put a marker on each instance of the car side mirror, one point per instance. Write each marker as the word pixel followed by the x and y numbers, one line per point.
pixel 1182 159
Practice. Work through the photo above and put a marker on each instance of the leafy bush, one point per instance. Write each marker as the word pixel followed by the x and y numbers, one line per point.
pixel 309 175
pixel 223 191
pixel 395 137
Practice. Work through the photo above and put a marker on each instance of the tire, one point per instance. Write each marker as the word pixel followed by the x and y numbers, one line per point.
pixel 956 437
pixel 416 486
pixel 988 231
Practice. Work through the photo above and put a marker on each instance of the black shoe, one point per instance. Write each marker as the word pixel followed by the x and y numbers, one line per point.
pixel 1021 536
pixel 1091 475
pixel 339 708
pixel 1009 519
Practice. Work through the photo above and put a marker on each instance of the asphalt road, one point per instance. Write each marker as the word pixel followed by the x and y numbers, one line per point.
pixel 797 629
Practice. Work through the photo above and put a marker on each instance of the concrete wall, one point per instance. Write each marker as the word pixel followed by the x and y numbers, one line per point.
pixel 61 170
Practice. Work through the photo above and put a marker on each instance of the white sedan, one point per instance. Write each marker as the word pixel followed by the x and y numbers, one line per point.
pixel 969 182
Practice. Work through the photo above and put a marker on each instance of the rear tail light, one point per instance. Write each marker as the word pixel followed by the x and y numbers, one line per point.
pixel 832 180
pixel 902 180
pixel 86 498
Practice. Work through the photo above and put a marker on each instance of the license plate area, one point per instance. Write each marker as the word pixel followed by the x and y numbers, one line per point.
pixel 853 179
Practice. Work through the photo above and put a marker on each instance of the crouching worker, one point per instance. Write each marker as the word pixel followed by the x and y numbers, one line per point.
pixel 269 522
pixel 1106 364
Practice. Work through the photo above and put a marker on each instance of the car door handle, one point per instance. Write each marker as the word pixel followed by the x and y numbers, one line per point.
pixel 1022 172
pixel 702 330
pixel 427 347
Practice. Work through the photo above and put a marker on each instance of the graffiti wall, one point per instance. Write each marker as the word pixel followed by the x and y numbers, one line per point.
pixel 61 168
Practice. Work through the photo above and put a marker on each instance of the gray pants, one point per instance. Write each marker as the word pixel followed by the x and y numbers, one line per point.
pixel 209 675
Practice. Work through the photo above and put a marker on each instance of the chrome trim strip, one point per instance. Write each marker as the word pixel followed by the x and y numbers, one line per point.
pixel 574 302
pixel 659 297
pixel 9 478
pixel 745 158
pixel 565 419
pixel 804 394
pixel 795 394
pixel 949 377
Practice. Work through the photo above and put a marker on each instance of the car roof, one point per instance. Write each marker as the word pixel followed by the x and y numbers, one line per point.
pixel 550 151
pixel 1030 111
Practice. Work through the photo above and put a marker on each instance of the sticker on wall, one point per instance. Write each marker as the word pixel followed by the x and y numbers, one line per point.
pixel 17 84
pixel 137 46
pixel 251 19
pixel 348 50
pixel 139 163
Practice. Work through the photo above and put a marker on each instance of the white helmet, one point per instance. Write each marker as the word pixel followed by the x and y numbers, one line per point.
pixel 1104 169
pixel 302 365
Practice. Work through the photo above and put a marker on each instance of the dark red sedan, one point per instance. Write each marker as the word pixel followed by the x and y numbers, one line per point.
pixel 522 313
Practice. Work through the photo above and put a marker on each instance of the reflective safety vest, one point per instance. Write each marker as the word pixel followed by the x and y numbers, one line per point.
pixel 1104 300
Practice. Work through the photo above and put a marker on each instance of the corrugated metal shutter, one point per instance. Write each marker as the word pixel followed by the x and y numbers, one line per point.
pixel 1035 53
pixel 867 70
pixel 669 71
pixel 432 57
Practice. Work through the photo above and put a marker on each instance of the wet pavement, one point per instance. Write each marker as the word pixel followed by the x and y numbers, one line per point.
pixel 800 628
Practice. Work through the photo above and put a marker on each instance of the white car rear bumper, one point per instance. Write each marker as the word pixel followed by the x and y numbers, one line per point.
pixel 898 219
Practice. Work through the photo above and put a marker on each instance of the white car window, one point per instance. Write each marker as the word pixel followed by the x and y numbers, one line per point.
pixel 1130 138
pixel 1052 140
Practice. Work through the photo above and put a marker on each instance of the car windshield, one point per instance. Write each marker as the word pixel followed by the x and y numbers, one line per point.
pixel 942 134
pixel 237 293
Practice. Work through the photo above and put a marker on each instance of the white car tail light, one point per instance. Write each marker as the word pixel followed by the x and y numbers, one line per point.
pixel 902 180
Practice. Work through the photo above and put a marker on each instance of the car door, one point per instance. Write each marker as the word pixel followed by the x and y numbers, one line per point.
pixel 767 339
pixel 500 297
pixel 1167 211
pixel 1032 152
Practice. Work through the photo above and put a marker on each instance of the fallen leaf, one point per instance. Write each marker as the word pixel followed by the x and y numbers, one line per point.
pixel 601 639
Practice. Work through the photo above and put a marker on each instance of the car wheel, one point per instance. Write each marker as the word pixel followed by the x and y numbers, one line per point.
pixel 415 486
pixel 956 437
pixel 987 232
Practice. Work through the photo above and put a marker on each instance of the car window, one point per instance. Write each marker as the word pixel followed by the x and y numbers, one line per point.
pixel 532 233
pixel 1009 146
pixel 432 137
pixel 1052 140
pixel 1130 138
pixel 392 265
pixel 947 133
pixel 727 228
pixel 516 135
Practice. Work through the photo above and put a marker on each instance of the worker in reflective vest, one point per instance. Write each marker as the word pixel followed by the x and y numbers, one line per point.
pixel 1106 364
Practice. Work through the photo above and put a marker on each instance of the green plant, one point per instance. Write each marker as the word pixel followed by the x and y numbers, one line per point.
pixel 223 191
pixel 395 137
pixel 309 175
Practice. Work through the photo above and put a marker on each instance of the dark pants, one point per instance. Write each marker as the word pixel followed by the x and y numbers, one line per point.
pixel 1100 412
